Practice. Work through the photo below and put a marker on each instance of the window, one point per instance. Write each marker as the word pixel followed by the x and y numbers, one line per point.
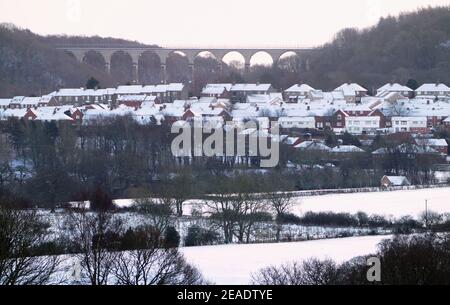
pixel 339 117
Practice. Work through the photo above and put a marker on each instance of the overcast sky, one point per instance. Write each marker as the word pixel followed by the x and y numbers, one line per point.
pixel 204 22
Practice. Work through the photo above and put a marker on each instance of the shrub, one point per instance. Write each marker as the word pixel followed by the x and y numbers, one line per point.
pixel 171 238
pixel 198 236
pixel 288 218
pixel 101 201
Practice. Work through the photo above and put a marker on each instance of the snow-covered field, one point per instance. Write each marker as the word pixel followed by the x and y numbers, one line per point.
pixel 234 264
pixel 392 203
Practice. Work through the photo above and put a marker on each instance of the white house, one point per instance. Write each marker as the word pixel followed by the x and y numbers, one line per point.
pixel 4 103
pixel 296 92
pixel 440 91
pixel 362 124
pixel 297 122
pixel 352 92
pixel 394 87
pixel 409 124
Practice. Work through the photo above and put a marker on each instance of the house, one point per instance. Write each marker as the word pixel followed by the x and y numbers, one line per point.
pixel 362 124
pixel 352 92
pixel 394 88
pixel 347 149
pixel 239 92
pixel 297 122
pixel 389 181
pixel 433 91
pixel 439 145
pixel 47 114
pixel 12 113
pixel 71 96
pixel 410 150
pixel 4 103
pixel 271 98
pixel 217 90
pixel 167 93
pixel 409 124
pixel 297 92
pixel 136 101
pixel 338 120
pixel 16 102
pixel 312 146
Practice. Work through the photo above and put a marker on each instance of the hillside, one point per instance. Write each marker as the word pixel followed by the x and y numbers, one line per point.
pixel 410 46
pixel 29 66
pixel 413 45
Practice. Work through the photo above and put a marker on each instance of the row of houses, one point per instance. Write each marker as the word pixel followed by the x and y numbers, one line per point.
pixel 166 93
pixel 416 116
pixel 388 111
pixel 354 93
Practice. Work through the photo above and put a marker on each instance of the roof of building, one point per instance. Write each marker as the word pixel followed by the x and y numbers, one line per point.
pixel 436 87
pixel 5 101
pixel 393 87
pixel 303 88
pixel 346 149
pixel 312 145
pixel 432 142
pixel 350 89
pixel 251 87
pixel 397 180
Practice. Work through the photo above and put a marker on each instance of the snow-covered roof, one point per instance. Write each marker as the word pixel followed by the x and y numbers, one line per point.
pixel 251 87
pixel 303 88
pixel 31 101
pixel 397 180
pixel 312 145
pixel 17 99
pixel 346 149
pixel 227 86
pixel 12 113
pixel 130 89
pixel 5 101
pixel 406 149
pixel 432 142
pixel 51 114
pixel 433 88
pixel 133 98
pixel 265 98
pixel 394 87
pixel 350 89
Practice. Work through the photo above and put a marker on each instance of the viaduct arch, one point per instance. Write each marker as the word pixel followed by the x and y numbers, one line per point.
pixel 191 53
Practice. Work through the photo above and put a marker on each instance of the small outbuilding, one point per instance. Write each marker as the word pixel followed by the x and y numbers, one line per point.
pixel 388 181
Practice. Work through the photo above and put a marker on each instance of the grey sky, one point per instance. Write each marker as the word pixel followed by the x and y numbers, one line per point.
pixel 204 22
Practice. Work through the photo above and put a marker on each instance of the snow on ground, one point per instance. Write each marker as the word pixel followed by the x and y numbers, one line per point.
pixel 388 203
pixel 234 264
pixel 392 203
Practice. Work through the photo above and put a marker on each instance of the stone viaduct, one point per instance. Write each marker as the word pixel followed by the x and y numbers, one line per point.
pixel 107 53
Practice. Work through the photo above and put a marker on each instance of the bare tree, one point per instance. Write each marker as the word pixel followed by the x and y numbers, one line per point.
pixel 152 264
pixel 95 238
pixel 310 272
pixel 20 233
pixel 158 212
pixel 280 203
